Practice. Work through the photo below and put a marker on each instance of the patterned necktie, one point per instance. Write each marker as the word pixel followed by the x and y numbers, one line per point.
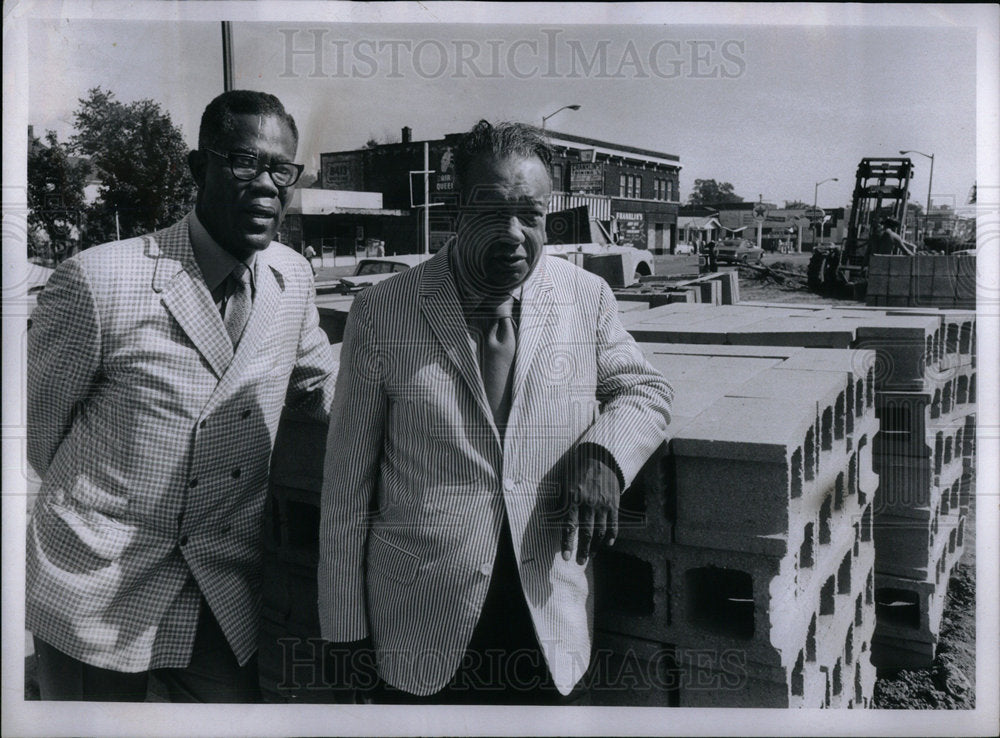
pixel 238 305
pixel 497 348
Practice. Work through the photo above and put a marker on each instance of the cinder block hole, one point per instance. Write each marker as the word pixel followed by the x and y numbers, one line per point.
pixel 849 410
pixel 844 575
pixel 896 423
pixel 623 584
pixel 963 390
pixel 946 398
pixel 947 449
pixel 954 504
pixel 811 640
pixel 721 601
pixel 810 451
pixel 826 600
pixel 797 473
pixel 960 541
pixel 852 474
pixel 838 417
pixel 953 338
pixel 859 398
pixel 866 524
pixel 934 524
pixel 849 645
pixel 824 521
pixel 972 388
pixel 929 352
pixel 897 607
pixel 858 692
pixel 970 436
pixel 869 583
pixel 959 442
pixel 806 549
pixel 838 492
pixel 827 429
pixel 936 404
pixel 938 451
pixel 857 539
pixel 965 339
pixel 943 507
pixel 870 389
pixel 837 680
pixel 859 612
pixel 826 690
pixel 798 682
pixel 302 524
pixel 952 540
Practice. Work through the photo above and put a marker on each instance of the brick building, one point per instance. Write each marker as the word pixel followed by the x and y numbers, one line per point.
pixel 632 192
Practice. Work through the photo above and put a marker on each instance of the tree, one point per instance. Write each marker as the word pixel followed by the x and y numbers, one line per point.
pixel 142 160
pixel 55 199
pixel 710 192
pixel 796 205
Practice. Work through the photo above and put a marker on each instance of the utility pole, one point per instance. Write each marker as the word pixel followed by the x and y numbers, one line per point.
pixel 227 56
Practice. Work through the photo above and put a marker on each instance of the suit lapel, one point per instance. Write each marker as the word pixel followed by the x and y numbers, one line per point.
pixel 442 310
pixel 537 318
pixel 187 298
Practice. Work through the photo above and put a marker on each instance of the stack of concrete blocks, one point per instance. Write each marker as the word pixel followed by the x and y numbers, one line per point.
pixel 925 385
pixel 745 550
pixel 290 657
pixel 718 288
pixel 932 280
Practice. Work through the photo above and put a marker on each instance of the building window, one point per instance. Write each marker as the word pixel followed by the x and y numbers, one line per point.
pixel 623 185
pixel 557 177
pixel 668 190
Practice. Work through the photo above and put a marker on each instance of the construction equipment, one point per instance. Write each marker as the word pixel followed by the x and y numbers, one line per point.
pixel 880 194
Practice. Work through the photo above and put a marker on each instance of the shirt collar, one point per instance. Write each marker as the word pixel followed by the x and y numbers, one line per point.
pixel 214 261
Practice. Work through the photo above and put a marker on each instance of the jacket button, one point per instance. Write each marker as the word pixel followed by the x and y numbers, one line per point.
pixel 203 423
pixel 236 473
pixel 184 540
pixel 193 483
pixel 486 569
pixel 508 484
pixel 245 414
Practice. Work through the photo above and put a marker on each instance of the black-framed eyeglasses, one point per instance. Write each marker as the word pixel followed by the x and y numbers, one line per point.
pixel 247 167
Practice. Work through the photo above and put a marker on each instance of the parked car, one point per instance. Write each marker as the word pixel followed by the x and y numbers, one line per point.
pixel 683 247
pixel 738 251
pixel 375 269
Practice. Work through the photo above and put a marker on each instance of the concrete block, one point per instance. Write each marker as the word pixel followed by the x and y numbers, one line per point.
pixel 632 583
pixel 910 548
pixel 633 672
pixel 904 346
pixel 793 331
pixel 730 283
pixel 647 509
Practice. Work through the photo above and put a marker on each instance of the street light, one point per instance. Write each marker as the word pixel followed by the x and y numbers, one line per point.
pixel 564 107
pixel 930 179
pixel 819 229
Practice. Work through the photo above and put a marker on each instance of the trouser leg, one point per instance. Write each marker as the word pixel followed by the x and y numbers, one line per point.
pixel 62 677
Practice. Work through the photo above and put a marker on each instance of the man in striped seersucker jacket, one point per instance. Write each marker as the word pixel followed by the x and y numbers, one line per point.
pixel 157 372
pixel 489 411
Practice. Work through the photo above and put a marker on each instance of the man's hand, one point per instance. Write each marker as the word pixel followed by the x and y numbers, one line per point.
pixel 590 495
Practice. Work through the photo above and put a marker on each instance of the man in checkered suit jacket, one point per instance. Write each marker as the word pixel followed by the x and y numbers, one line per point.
pixel 158 368
pixel 461 505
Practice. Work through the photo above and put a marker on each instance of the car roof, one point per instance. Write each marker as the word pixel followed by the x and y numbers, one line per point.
pixel 410 260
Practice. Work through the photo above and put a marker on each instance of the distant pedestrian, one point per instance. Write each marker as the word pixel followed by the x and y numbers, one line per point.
pixel 712 263
pixel 310 254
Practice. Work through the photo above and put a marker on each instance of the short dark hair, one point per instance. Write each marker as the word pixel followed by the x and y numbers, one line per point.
pixel 218 121
pixel 501 140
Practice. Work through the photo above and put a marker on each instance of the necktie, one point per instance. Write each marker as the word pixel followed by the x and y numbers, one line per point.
pixel 238 305
pixel 497 348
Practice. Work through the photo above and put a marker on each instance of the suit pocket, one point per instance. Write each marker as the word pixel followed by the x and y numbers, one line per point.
pixel 390 560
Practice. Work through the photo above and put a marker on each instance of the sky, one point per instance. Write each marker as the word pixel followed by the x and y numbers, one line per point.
pixel 771 108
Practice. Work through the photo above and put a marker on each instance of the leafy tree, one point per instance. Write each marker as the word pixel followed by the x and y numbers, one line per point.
pixel 796 205
pixel 142 158
pixel 56 203
pixel 710 192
